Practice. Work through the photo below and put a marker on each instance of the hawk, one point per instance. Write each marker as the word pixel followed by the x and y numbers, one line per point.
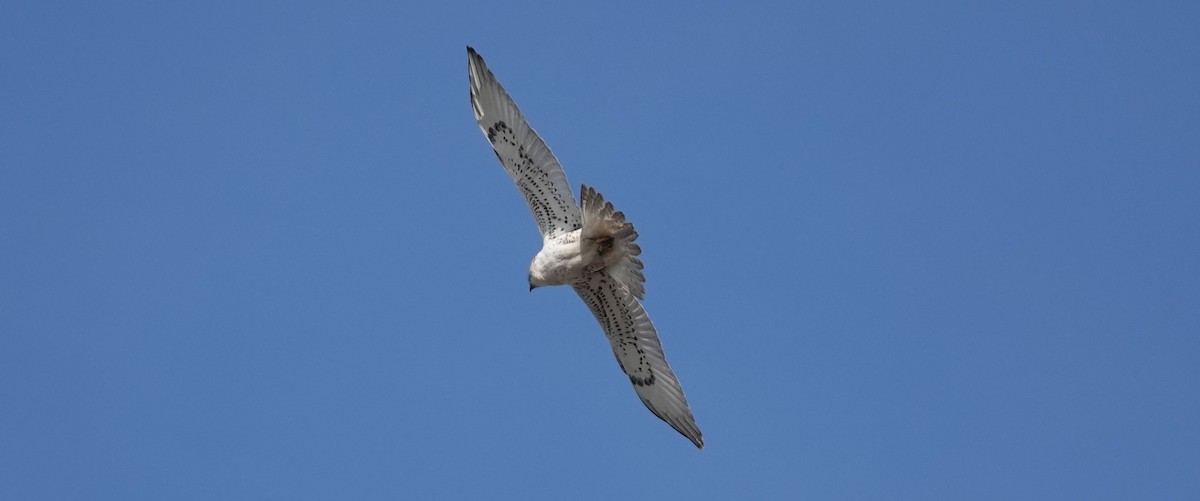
pixel 589 247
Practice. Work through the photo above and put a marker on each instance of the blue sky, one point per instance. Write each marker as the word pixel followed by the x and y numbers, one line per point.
pixel 929 250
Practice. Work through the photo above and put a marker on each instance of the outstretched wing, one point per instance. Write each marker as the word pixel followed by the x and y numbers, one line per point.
pixel 640 354
pixel 524 155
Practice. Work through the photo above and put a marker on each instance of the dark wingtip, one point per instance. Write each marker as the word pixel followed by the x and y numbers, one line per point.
pixel 691 433
pixel 696 439
pixel 470 50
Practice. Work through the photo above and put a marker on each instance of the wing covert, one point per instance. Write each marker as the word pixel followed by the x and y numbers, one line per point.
pixel 638 350
pixel 524 155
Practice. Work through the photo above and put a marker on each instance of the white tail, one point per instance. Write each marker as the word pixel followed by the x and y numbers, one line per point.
pixel 605 231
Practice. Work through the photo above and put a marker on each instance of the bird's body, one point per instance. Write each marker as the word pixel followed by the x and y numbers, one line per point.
pixel 590 247
pixel 561 261
pixel 604 242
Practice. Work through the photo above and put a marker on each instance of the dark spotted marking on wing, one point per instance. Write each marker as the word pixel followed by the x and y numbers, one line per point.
pixel 524 155
pixel 638 350
pixel 619 326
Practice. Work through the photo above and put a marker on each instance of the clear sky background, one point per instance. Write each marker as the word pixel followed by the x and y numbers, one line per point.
pixel 917 250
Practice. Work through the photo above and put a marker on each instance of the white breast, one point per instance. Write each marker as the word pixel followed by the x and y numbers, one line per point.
pixel 561 260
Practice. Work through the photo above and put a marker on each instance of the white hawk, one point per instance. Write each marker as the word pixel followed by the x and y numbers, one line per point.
pixel 590 247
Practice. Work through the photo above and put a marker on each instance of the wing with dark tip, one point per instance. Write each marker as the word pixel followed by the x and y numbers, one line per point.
pixel 524 155
pixel 638 350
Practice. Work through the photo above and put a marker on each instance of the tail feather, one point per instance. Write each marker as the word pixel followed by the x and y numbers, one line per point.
pixel 605 228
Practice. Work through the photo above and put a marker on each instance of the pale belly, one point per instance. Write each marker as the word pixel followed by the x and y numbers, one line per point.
pixel 561 261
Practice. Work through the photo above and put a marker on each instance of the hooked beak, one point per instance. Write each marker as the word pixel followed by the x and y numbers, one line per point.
pixel 531 287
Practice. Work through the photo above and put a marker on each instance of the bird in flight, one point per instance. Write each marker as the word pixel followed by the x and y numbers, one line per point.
pixel 589 247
